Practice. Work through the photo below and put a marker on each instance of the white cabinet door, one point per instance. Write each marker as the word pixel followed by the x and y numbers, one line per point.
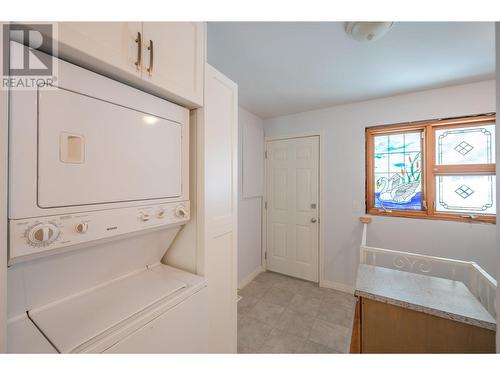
pixel 174 57
pixel 217 208
pixel 292 201
pixel 113 43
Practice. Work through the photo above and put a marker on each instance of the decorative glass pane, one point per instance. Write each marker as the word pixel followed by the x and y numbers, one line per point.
pixel 381 163
pixel 470 194
pixel 469 145
pixel 381 143
pixel 412 142
pixel 398 167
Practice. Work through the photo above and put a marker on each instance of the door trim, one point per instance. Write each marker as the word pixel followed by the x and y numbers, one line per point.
pixel 321 135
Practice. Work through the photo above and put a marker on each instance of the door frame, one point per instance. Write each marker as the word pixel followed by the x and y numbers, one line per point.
pixel 321 135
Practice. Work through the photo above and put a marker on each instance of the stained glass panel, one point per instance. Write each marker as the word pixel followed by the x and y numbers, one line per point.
pixel 469 145
pixel 381 143
pixel 471 194
pixel 398 166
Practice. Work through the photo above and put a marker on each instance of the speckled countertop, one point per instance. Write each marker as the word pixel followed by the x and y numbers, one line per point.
pixel 432 295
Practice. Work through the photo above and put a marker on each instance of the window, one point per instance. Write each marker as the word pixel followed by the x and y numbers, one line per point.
pixel 439 169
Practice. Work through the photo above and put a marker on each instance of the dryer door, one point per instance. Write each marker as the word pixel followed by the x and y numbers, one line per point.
pixel 91 151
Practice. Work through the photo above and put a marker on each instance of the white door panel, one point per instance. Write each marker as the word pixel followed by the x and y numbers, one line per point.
pixel 292 215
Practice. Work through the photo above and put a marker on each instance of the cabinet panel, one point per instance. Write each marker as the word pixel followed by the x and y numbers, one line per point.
pixel 218 133
pixel 356 330
pixel 113 43
pixel 178 49
pixel 387 328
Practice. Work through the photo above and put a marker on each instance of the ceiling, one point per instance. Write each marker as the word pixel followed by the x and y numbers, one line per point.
pixel 290 67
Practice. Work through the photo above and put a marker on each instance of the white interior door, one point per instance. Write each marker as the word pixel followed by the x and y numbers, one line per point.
pixel 292 207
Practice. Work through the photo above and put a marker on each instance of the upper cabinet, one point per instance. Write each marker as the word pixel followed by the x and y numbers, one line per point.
pixel 164 58
pixel 174 57
pixel 115 43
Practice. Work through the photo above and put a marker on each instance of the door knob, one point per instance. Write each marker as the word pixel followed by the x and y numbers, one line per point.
pixel 313 220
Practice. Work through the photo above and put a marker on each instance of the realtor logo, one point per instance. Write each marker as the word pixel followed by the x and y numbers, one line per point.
pixel 28 61
pixel 28 56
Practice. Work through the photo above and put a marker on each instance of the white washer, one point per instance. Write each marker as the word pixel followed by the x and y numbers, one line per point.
pixel 156 310
pixel 24 337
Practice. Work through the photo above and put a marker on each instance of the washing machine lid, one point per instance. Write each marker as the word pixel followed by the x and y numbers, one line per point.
pixel 24 338
pixel 71 322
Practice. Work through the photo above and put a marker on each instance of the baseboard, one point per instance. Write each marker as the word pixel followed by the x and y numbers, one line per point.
pixel 337 286
pixel 247 279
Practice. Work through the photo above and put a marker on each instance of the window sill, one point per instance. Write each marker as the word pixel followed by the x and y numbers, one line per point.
pixel 484 219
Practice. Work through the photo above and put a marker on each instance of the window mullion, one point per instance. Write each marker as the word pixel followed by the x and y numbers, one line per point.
pixel 430 182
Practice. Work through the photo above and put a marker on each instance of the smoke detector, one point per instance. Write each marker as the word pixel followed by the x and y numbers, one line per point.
pixel 367 31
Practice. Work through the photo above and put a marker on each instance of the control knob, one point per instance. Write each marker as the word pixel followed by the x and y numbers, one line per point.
pixel 82 228
pixel 42 234
pixel 180 211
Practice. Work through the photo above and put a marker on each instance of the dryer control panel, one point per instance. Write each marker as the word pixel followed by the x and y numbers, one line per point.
pixel 32 236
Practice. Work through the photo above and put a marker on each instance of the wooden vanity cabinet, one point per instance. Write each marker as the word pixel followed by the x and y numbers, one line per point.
pixel 386 328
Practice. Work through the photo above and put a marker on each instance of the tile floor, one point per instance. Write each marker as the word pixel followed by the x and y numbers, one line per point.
pixel 281 314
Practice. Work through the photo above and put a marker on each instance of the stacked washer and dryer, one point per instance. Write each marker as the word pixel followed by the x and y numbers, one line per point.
pixel 98 190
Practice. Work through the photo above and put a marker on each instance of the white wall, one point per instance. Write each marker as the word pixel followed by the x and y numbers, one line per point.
pixel 250 191
pixel 344 141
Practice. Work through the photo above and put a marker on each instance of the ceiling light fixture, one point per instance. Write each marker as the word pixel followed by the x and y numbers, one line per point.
pixel 367 31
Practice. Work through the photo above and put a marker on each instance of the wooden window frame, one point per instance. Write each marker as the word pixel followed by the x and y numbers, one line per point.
pixel 429 168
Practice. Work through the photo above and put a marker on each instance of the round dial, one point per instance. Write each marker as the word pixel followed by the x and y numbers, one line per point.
pixel 180 211
pixel 42 234
pixel 81 228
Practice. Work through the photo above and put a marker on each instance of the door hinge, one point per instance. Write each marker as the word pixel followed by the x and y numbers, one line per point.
pixel 265 255
pixel 265 154
pixel 265 205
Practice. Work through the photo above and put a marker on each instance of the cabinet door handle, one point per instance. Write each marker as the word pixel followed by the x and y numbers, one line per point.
pixel 151 52
pixel 138 40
